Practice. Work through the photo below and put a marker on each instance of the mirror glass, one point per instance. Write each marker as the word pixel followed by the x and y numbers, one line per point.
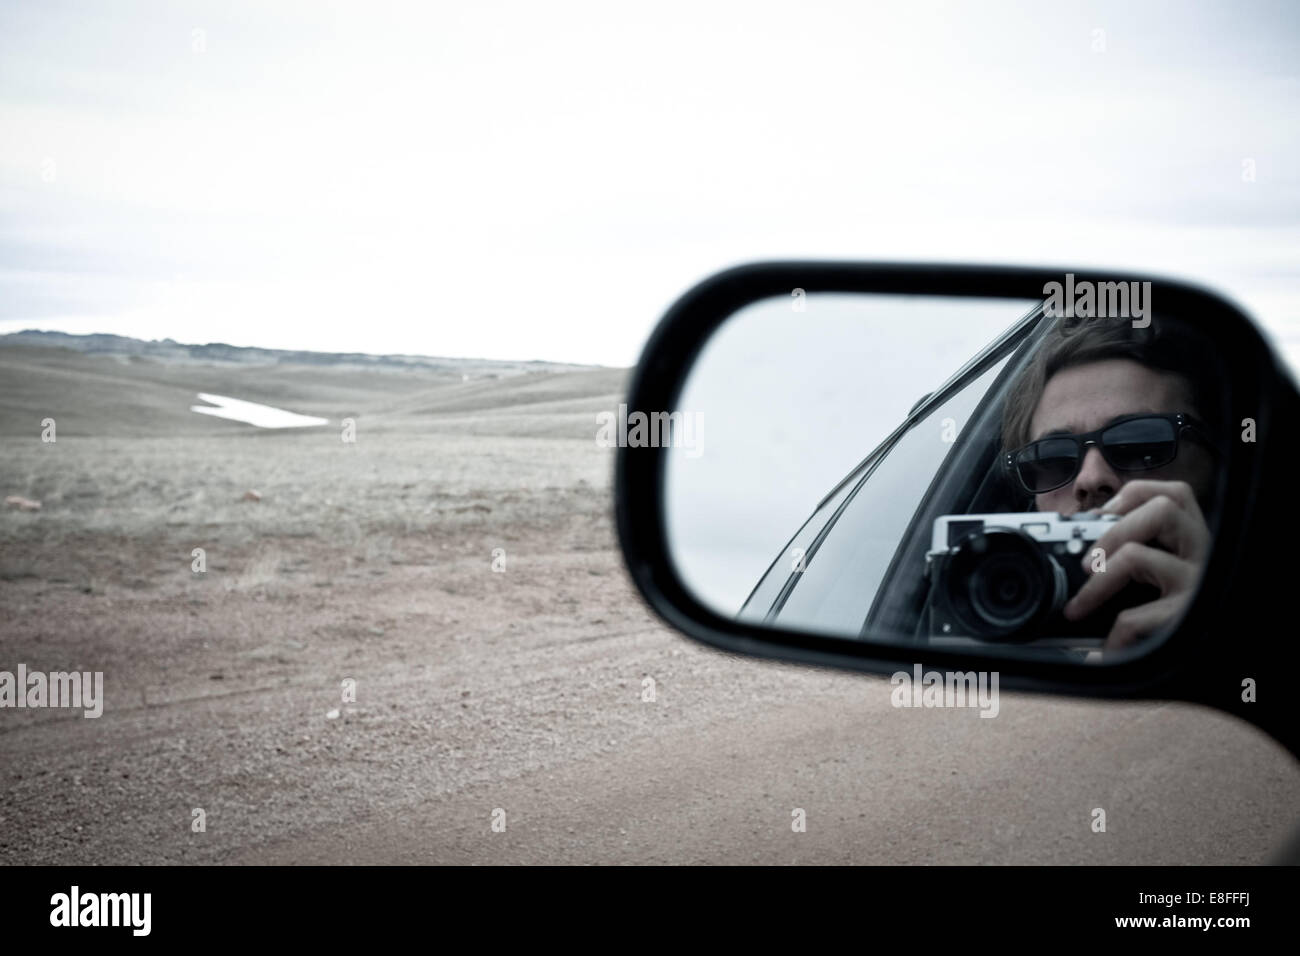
pixel 948 471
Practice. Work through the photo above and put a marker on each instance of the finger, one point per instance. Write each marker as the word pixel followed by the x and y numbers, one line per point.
pixel 1162 520
pixel 1135 623
pixel 1134 493
pixel 1132 562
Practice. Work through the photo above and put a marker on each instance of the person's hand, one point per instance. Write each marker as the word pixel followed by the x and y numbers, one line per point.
pixel 1163 541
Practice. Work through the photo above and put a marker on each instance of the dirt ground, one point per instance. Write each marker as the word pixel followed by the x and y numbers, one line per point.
pixel 515 695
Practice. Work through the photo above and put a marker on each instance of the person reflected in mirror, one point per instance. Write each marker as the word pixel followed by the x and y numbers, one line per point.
pixel 1114 419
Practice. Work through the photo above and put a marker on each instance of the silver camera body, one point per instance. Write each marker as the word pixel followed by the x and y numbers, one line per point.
pixel 1005 577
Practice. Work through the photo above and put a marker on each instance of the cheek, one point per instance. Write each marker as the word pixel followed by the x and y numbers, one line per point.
pixel 1196 468
pixel 1058 500
pixel 1190 466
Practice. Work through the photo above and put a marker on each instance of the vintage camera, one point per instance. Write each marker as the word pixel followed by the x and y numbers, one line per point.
pixel 1005 577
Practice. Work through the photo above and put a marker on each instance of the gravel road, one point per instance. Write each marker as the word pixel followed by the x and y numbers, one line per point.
pixel 504 716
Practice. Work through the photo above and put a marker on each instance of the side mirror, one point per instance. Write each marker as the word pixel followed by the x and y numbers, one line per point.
pixel 780 492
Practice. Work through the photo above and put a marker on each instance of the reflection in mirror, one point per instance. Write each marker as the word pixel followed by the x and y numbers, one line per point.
pixel 949 472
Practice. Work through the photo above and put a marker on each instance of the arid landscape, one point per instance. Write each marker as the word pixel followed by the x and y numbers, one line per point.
pixel 457 561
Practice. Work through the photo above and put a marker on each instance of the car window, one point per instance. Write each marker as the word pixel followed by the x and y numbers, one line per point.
pixel 835 590
pixel 769 588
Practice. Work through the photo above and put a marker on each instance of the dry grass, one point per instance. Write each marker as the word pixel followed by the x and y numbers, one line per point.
pixel 135 482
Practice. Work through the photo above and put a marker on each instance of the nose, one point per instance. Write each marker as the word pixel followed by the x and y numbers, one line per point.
pixel 1096 482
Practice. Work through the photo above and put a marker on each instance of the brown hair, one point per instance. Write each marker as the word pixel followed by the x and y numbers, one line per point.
pixel 1164 344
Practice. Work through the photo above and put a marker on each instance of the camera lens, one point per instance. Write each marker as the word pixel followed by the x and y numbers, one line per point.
pixel 1001 589
pixel 1000 581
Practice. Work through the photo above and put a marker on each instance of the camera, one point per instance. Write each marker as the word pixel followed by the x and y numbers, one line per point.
pixel 1005 577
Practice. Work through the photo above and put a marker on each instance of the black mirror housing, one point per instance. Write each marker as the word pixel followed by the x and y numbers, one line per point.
pixel 1231 650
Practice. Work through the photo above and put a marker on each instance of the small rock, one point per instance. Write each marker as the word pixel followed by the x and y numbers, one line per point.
pixel 333 714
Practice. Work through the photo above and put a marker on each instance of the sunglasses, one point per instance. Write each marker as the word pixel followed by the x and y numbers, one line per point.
pixel 1131 443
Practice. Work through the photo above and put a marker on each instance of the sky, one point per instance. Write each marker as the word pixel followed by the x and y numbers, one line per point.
pixel 786 404
pixel 541 181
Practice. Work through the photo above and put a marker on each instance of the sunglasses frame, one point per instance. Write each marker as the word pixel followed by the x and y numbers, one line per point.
pixel 1182 423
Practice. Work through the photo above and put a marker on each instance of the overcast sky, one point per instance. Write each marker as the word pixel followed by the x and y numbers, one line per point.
pixel 540 180
pixel 785 404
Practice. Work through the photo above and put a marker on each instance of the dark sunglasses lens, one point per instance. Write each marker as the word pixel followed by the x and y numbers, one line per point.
pixel 1140 444
pixel 1048 464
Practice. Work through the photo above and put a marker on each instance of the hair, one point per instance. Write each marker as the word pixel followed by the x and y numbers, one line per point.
pixel 1164 344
